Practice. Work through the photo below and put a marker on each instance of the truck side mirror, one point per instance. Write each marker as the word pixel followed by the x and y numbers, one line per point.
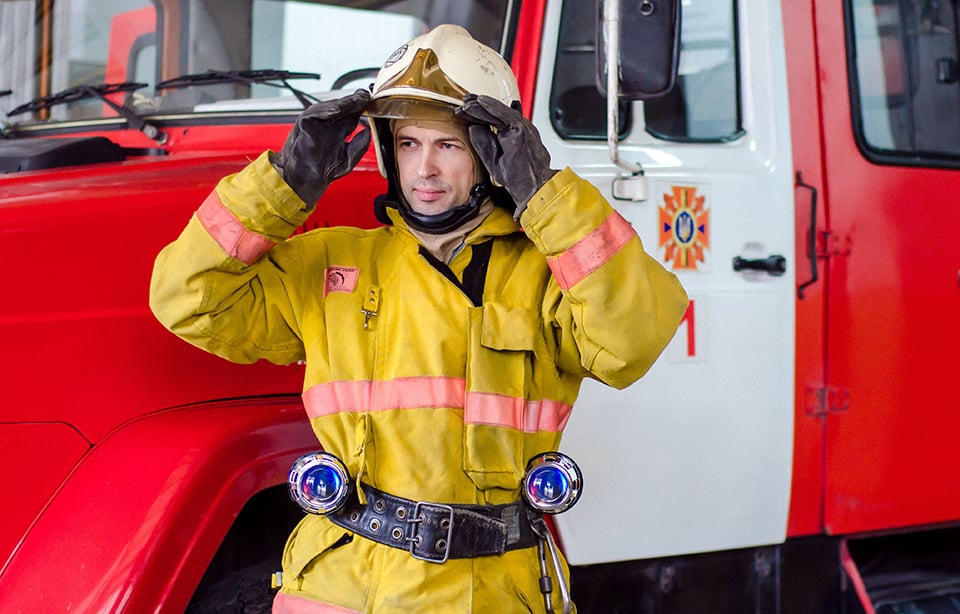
pixel 649 46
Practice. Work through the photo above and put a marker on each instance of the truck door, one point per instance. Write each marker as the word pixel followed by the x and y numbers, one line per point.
pixel 697 455
pixel 892 152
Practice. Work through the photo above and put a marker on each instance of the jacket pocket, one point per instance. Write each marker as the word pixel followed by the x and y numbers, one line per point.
pixel 501 349
pixel 312 538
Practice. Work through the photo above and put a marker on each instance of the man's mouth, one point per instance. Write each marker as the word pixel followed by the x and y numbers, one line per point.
pixel 427 195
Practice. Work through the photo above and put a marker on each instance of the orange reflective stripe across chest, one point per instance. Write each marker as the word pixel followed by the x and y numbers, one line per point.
pixel 428 392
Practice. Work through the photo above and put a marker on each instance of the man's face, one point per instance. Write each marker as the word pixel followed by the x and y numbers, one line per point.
pixel 435 165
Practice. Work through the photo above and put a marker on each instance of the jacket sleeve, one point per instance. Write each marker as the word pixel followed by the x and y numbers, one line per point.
pixel 222 284
pixel 613 307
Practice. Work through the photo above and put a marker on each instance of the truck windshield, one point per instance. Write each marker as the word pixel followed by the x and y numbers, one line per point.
pixel 49 47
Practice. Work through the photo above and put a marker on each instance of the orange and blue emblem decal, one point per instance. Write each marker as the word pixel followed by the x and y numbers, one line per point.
pixel 684 227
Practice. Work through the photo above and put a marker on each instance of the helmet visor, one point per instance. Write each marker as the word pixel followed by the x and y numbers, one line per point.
pixel 393 107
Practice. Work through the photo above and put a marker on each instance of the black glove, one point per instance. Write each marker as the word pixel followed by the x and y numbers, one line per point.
pixel 513 154
pixel 317 151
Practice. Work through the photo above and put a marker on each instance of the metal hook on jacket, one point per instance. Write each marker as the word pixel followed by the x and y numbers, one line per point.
pixel 546 542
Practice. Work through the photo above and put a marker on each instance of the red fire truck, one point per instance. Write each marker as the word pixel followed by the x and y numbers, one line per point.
pixel 793 450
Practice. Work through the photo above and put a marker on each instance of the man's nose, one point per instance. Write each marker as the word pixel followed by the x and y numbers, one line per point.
pixel 427 166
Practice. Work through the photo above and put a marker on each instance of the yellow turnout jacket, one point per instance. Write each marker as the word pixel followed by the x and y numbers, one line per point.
pixel 431 382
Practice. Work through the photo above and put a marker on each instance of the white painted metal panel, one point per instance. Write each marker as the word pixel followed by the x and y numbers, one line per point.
pixel 697 455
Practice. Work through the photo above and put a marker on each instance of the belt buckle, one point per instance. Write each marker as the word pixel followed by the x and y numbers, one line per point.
pixel 416 540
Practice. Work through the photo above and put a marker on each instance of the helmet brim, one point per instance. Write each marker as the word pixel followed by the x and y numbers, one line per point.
pixel 409 107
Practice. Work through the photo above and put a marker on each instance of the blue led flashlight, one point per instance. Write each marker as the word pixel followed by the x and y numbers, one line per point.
pixel 319 483
pixel 553 483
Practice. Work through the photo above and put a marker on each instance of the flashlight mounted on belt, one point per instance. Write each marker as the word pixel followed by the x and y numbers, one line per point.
pixel 553 483
pixel 319 483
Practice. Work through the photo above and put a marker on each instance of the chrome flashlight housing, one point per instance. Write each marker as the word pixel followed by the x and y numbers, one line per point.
pixel 553 483
pixel 319 483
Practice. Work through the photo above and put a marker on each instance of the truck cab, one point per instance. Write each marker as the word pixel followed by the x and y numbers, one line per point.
pixel 791 451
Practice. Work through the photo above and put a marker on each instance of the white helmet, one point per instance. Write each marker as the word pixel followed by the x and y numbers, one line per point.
pixel 428 77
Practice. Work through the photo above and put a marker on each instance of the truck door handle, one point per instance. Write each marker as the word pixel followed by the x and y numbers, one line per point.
pixel 811 236
pixel 774 265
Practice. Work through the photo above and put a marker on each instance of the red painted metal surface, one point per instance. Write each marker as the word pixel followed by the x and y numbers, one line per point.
pixel 893 297
pixel 526 51
pixel 80 320
pixel 34 459
pixel 880 322
pixel 137 523
pixel 806 500
pixel 88 351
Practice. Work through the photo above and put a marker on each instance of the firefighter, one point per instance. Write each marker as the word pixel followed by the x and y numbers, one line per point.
pixel 444 349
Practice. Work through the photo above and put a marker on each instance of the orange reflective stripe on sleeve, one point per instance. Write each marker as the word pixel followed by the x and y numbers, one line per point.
pixel 425 392
pixel 284 603
pixel 590 252
pixel 235 239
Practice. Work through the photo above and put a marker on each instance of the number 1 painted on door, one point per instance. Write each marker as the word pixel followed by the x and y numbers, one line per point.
pixel 690 322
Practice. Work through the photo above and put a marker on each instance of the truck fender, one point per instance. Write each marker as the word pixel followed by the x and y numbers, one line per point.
pixel 138 520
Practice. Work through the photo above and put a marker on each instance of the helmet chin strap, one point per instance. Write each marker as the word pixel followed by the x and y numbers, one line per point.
pixel 450 219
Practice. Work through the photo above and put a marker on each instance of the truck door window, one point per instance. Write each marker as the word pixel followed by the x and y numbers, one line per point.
pixel 905 80
pixel 703 106
pixel 577 108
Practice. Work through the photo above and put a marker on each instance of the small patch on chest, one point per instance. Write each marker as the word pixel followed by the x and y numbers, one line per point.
pixel 340 279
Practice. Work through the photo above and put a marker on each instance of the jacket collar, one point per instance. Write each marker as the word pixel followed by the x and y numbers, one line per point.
pixel 498 223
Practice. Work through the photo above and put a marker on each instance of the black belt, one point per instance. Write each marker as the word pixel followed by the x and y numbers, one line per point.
pixel 436 532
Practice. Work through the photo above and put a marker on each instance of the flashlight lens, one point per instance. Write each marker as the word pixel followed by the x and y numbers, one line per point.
pixel 321 483
pixel 549 485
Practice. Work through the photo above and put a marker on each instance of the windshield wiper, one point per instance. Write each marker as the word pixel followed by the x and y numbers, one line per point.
pixel 101 91
pixel 265 77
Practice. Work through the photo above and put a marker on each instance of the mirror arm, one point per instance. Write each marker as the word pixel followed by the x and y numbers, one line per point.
pixel 611 25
